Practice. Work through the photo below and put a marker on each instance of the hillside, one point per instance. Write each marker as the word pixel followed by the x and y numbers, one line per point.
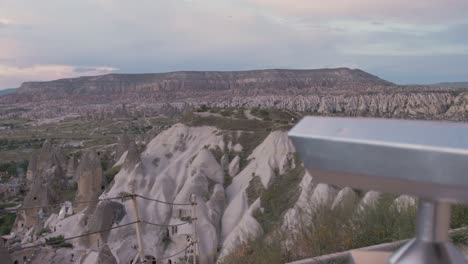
pixel 249 185
pixel 191 84
pixel 339 91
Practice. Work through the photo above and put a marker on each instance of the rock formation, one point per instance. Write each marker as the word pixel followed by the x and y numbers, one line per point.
pixel 47 186
pixel 103 217
pixel 176 164
pixel 122 146
pixel 327 91
pixel 71 168
pixel 234 166
pixel 90 181
pixel 31 169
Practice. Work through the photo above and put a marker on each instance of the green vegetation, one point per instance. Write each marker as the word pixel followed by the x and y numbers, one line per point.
pixel 279 196
pixel 227 180
pixel 257 251
pixel 6 205
pixel 322 230
pixel 58 241
pixel 6 223
pixel 13 168
pixel 109 174
pixel 282 117
pixel 460 237
pixel 459 216
pixel 254 190
pixel 249 141
pixel 227 123
pixel 11 144
pixel 67 193
pixel 22 136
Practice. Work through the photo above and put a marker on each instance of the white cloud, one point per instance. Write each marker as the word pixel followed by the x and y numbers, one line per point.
pixel 384 26
pixel 169 35
pixel 414 10
pixel 399 49
pixel 5 21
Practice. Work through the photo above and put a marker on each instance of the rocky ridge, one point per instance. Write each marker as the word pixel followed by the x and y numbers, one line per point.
pixel 325 91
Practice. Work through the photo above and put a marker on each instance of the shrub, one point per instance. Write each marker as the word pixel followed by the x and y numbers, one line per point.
pixel 227 180
pixel 109 175
pixel 58 241
pixel 460 237
pixel 6 223
pixel 258 251
pixel 459 216
pixel 321 230
pixel 279 196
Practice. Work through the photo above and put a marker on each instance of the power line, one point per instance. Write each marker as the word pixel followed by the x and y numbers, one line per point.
pixel 94 201
pixel 159 201
pixel 102 230
pixel 74 203
pixel 137 221
pixel 73 237
pixel 162 225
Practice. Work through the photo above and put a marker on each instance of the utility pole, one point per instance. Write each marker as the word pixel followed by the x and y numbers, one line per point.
pixel 138 228
pixel 193 202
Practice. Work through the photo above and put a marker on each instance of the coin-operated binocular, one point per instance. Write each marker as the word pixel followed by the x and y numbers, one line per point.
pixel 419 158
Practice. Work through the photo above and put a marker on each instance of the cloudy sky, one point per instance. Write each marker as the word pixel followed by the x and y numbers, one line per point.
pixel 404 41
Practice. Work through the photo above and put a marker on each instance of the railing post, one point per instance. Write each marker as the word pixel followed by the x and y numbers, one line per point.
pixel 193 202
pixel 431 244
pixel 138 229
pixel 419 158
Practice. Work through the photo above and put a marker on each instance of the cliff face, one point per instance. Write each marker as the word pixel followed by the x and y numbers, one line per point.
pixel 189 84
pixel 326 91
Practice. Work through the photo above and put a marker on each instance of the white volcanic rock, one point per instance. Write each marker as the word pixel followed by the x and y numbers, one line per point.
pixel 323 194
pixel 103 256
pixel 121 160
pixel 404 202
pixel 234 166
pixel 246 229
pixel 174 165
pixel 346 197
pixel 177 163
pixel 264 160
pixel 369 199
pixel 237 147
pixel 208 166
pixel 294 214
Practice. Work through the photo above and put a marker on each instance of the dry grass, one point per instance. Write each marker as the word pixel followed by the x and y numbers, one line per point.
pixel 322 230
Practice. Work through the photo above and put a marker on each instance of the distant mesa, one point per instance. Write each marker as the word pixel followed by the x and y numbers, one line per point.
pixel 343 91
pixel 462 85
pixel 194 83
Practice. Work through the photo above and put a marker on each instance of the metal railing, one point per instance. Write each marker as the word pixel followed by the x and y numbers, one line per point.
pixel 419 158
